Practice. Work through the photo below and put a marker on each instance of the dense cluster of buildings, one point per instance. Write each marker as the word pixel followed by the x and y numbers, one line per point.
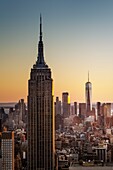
pixel 44 136
pixel 84 133
pixel 13 137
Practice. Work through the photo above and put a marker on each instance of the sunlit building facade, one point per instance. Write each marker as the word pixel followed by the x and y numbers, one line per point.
pixel 40 114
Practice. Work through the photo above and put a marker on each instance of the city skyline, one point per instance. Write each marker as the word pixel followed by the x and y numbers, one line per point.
pixel 77 38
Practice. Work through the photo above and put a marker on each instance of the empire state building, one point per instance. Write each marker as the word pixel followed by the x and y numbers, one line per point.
pixel 40 114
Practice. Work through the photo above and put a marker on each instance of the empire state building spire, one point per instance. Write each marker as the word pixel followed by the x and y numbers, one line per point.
pixel 40 63
pixel 41 119
pixel 40 28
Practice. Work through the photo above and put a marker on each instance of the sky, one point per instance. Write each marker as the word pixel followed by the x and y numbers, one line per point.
pixel 77 36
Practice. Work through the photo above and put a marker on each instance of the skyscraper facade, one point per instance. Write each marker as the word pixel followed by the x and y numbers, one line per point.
pixel 98 109
pixel 20 107
pixel 57 105
pixel 40 114
pixel 8 150
pixel 88 91
pixel 82 110
pixel 65 104
pixel 75 108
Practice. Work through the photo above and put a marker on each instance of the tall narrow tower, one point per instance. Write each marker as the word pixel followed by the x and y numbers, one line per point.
pixel 65 104
pixel 40 114
pixel 88 91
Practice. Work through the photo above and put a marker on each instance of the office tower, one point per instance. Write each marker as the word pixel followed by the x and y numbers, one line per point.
pixel 100 117
pixel 82 110
pixel 106 115
pixel 108 106
pixel 58 117
pixel 75 108
pixel 65 105
pixel 59 122
pixel 20 107
pixel 57 106
pixel 106 109
pixel 40 114
pixel 98 109
pixel 88 91
pixel 7 150
pixel 71 110
pixel 69 107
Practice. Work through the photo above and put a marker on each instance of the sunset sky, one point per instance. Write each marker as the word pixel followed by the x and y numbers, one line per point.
pixel 77 36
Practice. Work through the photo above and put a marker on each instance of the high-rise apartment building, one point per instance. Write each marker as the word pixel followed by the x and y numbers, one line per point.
pixel 7 150
pixel 88 91
pixel 40 114
pixel 65 104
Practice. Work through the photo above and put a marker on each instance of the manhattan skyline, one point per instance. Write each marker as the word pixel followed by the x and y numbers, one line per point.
pixel 77 38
